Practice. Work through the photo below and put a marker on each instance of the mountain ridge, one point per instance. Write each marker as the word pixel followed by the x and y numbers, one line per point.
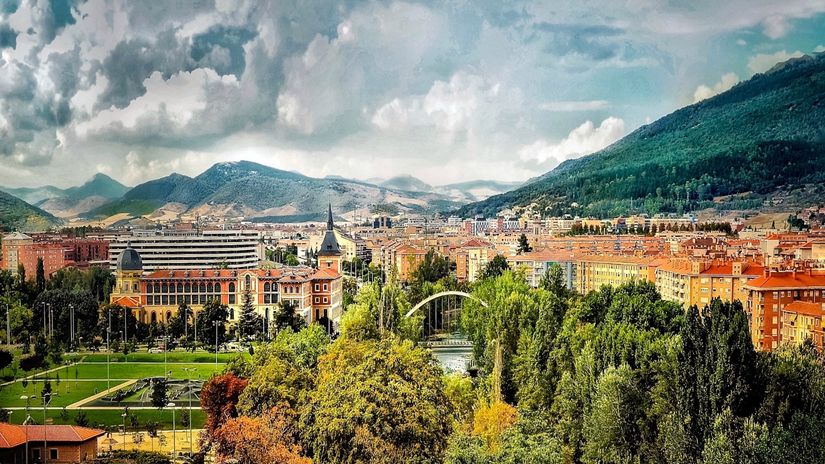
pixel 762 134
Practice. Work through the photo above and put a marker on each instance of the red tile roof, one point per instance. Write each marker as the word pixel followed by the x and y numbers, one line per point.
pixel 16 435
pixel 11 435
pixel 806 308
pixel 786 279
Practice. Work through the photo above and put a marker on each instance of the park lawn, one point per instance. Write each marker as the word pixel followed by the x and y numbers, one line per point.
pixel 172 356
pixel 126 371
pixel 68 392
pixel 101 418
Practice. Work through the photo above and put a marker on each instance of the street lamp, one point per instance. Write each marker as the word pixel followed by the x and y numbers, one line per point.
pixel 174 431
pixel 189 371
pixel 216 324
pixel 26 427
pixel 47 398
pixel 124 429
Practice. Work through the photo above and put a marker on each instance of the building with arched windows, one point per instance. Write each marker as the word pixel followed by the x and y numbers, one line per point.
pixel 155 296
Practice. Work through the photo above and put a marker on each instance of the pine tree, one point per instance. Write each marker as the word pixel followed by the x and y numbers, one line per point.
pixel 523 245
pixel 248 323
pixel 41 276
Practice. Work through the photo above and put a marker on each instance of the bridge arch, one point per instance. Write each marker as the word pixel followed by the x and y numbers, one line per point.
pixel 443 294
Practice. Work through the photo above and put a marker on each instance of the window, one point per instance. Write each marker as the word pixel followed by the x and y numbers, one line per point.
pixel 53 453
pixel 36 454
pixel 326 300
pixel 180 288
pixel 217 288
pixel 267 298
pixel 267 287
pixel 317 300
pixel 326 287
pixel 248 281
pixel 317 287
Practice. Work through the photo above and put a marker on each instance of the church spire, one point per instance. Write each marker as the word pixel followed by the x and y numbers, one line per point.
pixel 329 218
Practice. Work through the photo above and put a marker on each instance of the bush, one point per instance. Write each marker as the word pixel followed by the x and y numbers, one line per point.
pixel 136 457
pixel 31 362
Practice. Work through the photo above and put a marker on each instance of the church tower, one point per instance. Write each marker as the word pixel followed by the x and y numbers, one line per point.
pixel 128 273
pixel 329 255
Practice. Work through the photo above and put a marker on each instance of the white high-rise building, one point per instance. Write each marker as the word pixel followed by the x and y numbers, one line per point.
pixel 208 249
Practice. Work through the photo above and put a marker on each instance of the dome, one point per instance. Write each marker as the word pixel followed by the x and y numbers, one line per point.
pixel 129 259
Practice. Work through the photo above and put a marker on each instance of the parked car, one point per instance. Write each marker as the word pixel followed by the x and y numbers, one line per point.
pixel 156 350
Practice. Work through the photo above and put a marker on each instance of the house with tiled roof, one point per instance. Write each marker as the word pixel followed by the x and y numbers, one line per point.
pixel 59 444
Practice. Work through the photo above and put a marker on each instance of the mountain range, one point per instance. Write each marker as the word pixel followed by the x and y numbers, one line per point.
pixel 72 201
pixel 262 193
pixel 726 152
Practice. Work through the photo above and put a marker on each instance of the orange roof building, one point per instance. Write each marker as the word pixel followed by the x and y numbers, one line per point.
pixel 769 295
pixel 63 443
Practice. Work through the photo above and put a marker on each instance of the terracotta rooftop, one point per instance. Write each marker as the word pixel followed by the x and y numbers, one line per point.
pixel 806 308
pixel 16 435
pixel 787 279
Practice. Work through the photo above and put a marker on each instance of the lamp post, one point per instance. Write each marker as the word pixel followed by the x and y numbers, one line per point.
pixel 174 431
pixel 189 371
pixel 71 324
pixel 26 427
pixel 124 429
pixel 108 349
pixel 216 323
pixel 8 326
pixel 47 398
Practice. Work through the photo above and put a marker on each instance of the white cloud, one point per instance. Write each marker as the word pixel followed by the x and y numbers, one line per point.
pixel 376 48
pixel 819 49
pixel 703 91
pixel 583 140
pixel 448 106
pixel 168 106
pixel 775 26
pixel 571 106
pixel 763 62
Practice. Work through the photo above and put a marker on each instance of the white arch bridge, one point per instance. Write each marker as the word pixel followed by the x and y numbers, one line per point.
pixel 442 311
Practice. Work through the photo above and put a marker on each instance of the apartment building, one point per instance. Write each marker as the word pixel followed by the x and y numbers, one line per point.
pixel 698 281
pixel 56 252
pixel 773 292
pixel 209 249
pixel 471 258
pixel 593 272
pixel 535 264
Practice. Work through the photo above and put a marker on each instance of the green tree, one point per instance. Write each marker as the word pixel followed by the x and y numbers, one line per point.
pixel 249 322
pixel 495 267
pixel 160 392
pixel 40 278
pixel 213 312
pixel 362 403
pixel 523 245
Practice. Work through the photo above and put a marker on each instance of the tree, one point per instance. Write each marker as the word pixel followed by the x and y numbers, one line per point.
pixel 495 267
pixel 523 245
pixel 211 313
pixel 249 322
pixel 5 359
pixel 270 437
pixel 287 317
pixel 160 392
pixel 491 421
pixel 554 282
pixel 219 399
pixel 363 400
pixel 284 370
pixel 40 278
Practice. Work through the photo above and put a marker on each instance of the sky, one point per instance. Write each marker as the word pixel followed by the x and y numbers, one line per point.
pixel 446 91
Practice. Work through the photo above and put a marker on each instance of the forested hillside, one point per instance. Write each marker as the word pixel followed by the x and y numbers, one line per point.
pixel 762 134
pixel 17 214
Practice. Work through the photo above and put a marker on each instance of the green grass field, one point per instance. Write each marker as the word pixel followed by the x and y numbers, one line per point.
pixel 173 356
pixel 111 418
pixel 126 371
pixel 67 392
pixel 91 376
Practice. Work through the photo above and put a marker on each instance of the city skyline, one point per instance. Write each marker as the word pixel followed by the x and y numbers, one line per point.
pixel 443 91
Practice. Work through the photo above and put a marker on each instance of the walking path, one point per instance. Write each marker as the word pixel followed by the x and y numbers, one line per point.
pixel 97 396
pixel 34 376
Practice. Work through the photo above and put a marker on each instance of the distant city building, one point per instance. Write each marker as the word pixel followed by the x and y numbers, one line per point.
pixel 55 251
pixel 209 249
pixel 382 222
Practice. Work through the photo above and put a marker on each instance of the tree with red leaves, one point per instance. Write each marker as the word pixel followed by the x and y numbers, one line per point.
pixel 219 398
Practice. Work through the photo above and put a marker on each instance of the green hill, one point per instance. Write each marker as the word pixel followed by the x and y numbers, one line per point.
pixel 761 135
pixel 17 214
